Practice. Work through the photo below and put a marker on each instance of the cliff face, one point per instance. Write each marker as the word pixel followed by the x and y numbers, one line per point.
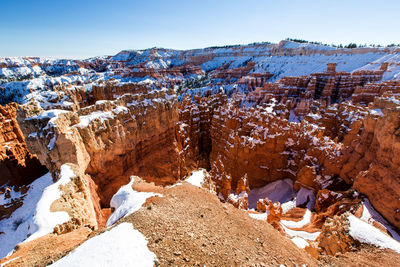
pixel 18 166
pixel 194 129
pixel 117 136
pixel 374 156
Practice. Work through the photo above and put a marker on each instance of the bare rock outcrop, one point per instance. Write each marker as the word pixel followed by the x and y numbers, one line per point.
pixel 334 237
pixel 78 200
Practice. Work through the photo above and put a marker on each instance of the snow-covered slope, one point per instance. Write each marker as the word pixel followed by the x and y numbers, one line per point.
pixel 393 72
pixel 297 65
pixel 33 218
pixel 33 67
pixel 19 76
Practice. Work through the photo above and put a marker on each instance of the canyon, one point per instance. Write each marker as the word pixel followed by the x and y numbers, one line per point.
pixel 301 141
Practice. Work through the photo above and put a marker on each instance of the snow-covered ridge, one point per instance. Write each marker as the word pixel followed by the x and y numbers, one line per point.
pixel 23 75
pixel 237 54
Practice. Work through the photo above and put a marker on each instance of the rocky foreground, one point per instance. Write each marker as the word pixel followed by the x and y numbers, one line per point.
pixel 294 170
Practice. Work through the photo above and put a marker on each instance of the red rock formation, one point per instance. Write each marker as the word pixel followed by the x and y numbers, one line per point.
pixel 322 152
pixel 331 68
pixel 334 237
pixel 194 129
pixel 17 165
pixel 240 199
pixel 221 178
pixel 254 80
pixel 269 148
pixel 371 160
pixel 327 87
pixel 111 139
pixel 142 71
pixel 366 94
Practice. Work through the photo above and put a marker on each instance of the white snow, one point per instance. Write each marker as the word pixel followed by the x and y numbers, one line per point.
pixel 393 71
pixel 314 116
pixel 259 216
pixel 171 186
pixel 120 109
pixel 126 201
pixel 367 233
pixel 97 115
pixel 12 197
pixel 281 191
pixel 197 178
pixel 302 234
pixel 44 219
pixel 300 242
pixel 288 206
pixel 48 114
pixel 34 218
pixel 121 246
pixel 370 215
pixel 52 142
pixel 32 135
pixel 377 112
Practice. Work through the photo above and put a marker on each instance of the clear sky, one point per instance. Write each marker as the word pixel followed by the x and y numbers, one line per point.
pixel 84 28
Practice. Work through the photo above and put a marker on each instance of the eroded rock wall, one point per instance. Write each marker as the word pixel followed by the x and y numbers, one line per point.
pixel 17 165
pixel 372 161
pixel 121 134
pixel 338 147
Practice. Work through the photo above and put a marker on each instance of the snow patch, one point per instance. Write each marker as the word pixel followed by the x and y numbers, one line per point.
pixel 300 242
pixel 126 201
pixel 197 178
pixel 259 216
pixel 367 233
pixel 370 214
pixel 97 115
pixel 121 246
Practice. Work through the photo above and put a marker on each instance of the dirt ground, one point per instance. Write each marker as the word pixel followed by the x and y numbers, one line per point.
pixel 191 227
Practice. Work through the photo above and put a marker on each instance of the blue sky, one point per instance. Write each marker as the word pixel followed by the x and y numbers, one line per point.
pixel 84 28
